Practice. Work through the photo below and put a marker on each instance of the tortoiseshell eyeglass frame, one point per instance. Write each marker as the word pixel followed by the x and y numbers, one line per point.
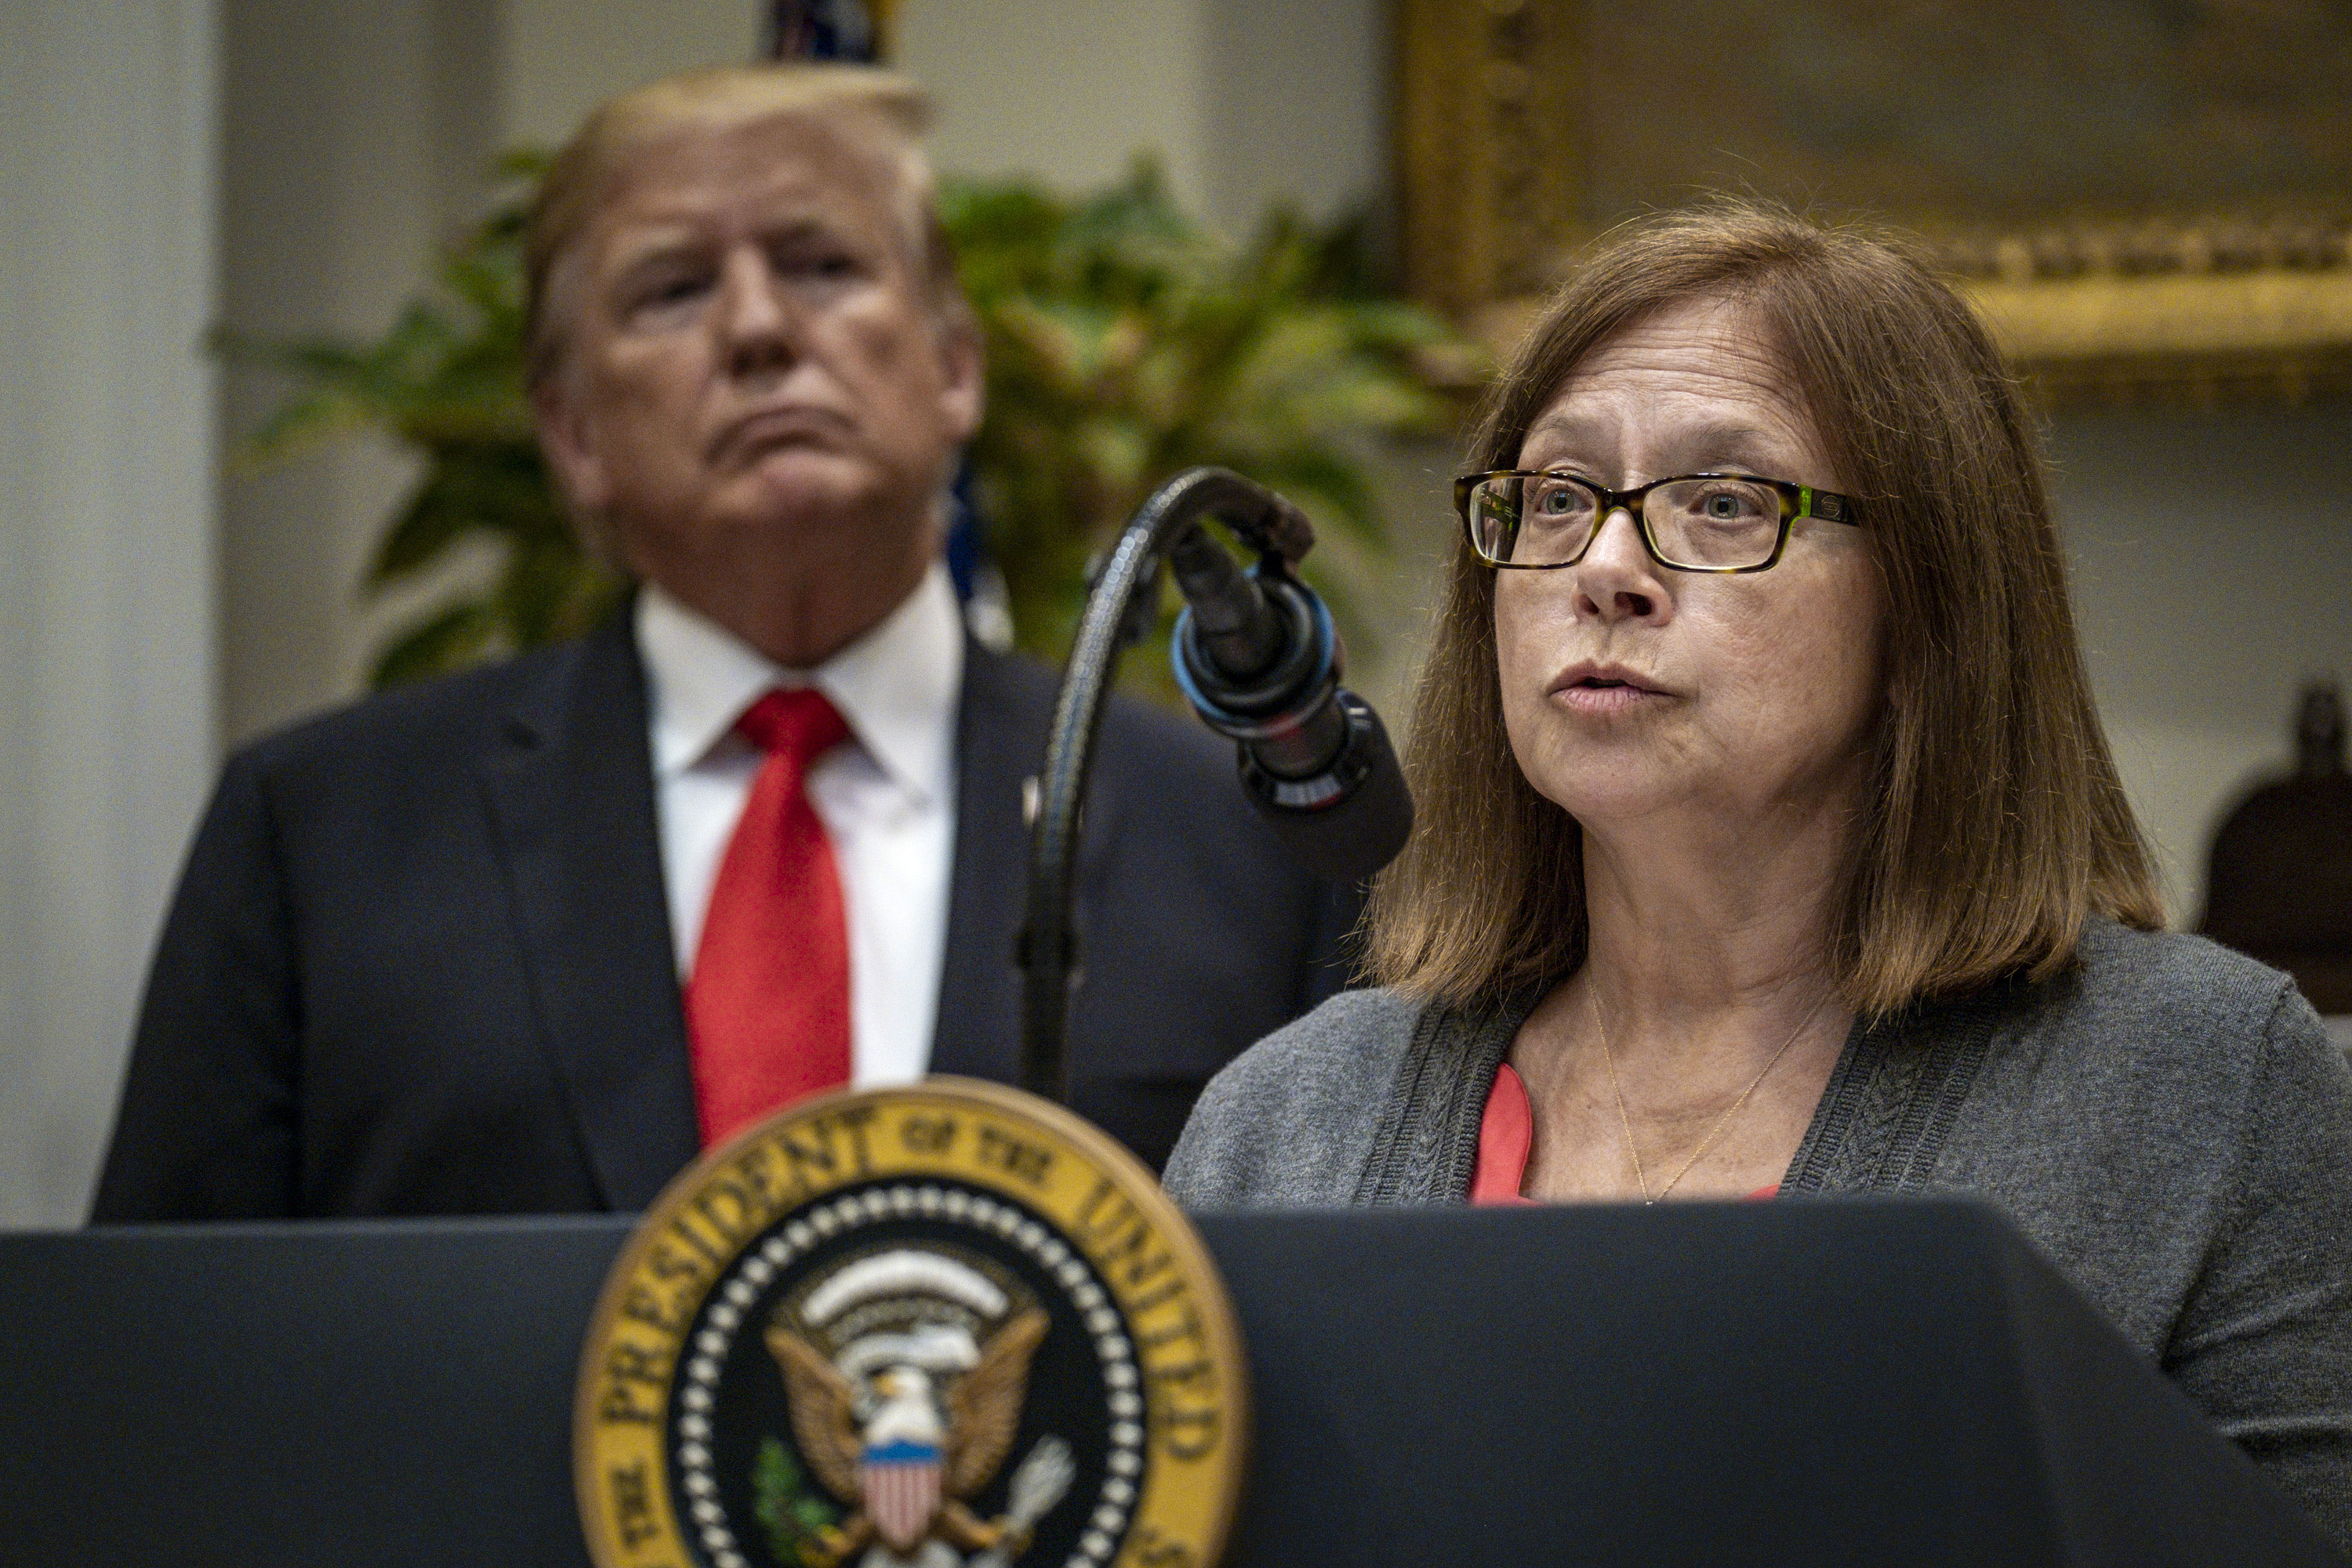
pixel 1796 500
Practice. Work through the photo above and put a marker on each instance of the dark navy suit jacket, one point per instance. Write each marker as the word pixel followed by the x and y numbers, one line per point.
pixel 420 962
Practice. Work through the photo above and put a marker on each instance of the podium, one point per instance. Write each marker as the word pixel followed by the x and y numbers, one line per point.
pixel 1819 1382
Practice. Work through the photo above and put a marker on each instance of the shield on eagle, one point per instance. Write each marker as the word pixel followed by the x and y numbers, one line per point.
pixel 901 1484
pixel 904 1368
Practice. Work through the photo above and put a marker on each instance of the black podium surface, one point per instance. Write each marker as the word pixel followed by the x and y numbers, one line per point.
pixel 1814 1383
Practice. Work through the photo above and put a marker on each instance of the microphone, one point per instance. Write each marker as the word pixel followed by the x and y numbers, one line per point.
pixel 1256 656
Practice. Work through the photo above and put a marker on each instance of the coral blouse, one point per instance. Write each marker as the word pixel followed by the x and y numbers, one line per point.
pixel 1506 1132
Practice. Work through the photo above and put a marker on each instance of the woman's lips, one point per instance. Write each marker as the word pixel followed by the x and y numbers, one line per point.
pixel 1604 701
pixel 1604 692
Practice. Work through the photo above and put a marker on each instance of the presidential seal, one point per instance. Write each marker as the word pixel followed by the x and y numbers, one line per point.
pixel 948 1326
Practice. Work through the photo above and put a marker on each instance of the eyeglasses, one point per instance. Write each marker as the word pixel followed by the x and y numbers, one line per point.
pixel 1690 522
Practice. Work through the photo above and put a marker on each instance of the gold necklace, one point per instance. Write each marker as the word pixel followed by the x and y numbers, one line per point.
pixel 1641 1180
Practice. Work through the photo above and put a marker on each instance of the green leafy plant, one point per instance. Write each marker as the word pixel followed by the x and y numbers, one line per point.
pixel 1124 343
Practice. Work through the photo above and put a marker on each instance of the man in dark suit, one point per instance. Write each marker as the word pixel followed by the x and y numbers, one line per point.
pixel 510 942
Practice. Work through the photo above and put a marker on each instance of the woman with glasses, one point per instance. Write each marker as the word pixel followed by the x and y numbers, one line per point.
pixel 1767 843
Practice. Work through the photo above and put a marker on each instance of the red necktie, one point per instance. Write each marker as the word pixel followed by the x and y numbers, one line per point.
pixel 767 1008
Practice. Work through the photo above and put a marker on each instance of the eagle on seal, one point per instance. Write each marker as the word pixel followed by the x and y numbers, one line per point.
pixel 903 1452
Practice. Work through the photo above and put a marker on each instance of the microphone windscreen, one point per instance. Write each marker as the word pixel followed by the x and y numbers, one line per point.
pixel 1352 838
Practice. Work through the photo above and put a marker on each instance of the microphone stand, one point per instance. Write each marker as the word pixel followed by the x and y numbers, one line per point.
pixel 1122 607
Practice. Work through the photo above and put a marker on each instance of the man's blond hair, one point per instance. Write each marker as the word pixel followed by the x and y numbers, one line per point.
pixel 886 110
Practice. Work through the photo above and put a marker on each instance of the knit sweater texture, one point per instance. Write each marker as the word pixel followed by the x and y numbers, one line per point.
pixel 2166 1120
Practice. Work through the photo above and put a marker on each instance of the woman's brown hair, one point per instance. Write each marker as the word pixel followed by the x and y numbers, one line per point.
pixel 1995 823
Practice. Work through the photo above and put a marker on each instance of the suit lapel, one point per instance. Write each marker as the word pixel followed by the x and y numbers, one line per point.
pixel 570 780
pixel 1007 707
pixel 1000 741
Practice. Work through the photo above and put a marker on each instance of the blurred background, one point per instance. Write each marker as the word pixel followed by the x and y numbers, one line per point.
pixel 2151 200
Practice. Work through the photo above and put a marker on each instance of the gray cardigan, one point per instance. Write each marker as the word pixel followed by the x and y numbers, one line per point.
pixel 2166 1120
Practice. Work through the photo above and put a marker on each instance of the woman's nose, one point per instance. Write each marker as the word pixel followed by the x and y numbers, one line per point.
pixel 1618 578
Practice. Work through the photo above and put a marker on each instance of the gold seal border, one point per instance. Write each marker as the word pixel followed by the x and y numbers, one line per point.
pixel 1099 1199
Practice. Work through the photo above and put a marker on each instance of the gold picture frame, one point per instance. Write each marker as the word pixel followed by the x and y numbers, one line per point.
pixel 2199 253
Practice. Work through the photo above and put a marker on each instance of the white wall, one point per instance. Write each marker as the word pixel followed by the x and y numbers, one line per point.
pixel 2212 575
pixel 1244 102
pixel 563 57
pixel 106 568
pixel 1068 91
pixel 332 201
pixel 1297 106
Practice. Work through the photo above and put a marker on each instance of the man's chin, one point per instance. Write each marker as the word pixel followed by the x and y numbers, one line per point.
pixel 812 490
pixel 810 510
pixel 824 504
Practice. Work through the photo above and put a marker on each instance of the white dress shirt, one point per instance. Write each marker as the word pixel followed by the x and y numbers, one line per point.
pixel 887 796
